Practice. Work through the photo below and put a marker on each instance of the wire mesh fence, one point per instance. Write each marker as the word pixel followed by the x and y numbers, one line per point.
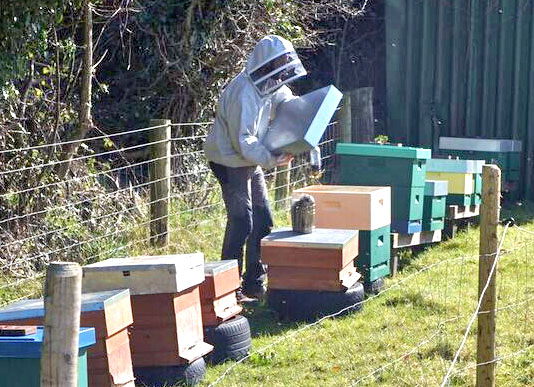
pixel 410 333
pixel 102 209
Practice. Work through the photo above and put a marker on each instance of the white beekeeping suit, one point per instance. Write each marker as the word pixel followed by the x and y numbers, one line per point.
pixel 248 104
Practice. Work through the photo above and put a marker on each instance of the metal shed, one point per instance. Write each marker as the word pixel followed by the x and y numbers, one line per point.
pixel 461 68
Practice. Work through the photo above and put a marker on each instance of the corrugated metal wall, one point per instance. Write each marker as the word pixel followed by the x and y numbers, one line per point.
pixel 461 68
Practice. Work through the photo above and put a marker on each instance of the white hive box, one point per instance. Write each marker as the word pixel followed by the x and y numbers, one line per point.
pixel 145 274
pixel 349 207
pixel 479 144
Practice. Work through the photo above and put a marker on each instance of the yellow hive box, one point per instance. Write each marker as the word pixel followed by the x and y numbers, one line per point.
pixel 349 207
pixel 459 183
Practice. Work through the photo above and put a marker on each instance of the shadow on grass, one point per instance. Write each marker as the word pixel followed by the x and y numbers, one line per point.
pixel 264 321
pixel 415 300
pixel 522 212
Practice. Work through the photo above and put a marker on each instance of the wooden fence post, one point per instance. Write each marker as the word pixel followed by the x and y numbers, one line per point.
pixel 489 244
pixel 160 176
pixel 62 302
pixel 346 118
pixel 363 117
pixel 281 186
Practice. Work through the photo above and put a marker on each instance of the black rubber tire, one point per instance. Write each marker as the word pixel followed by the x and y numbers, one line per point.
pixel 374 287
pixel 230 339
pixel 187 375
pixel 308 305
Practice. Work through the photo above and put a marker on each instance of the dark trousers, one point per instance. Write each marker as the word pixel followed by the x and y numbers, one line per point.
pixel 249 219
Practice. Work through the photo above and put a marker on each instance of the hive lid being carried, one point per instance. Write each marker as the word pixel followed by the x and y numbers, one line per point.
pixel 479 144
pixel 29 346
pixel 455 165
pixel 436 188
pixel 145 274
pixel 379 150
pixel 301 122
pixel 34 308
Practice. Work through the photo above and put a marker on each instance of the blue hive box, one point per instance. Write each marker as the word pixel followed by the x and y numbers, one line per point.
pixel 20 358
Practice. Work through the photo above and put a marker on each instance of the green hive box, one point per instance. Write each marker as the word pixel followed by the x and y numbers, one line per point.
pixel 407 203
pixel 20 358
pixel 373 164
pixel 435 199
pixel 434 207
pixel 458 200
pixel 374 253
pixel 476 197
pixel 433 224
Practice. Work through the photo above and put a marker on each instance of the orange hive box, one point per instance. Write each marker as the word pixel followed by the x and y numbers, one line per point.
pixel 322 260
pixel 167 329
pixel 109 361
pixel 349 207
pixel 217 292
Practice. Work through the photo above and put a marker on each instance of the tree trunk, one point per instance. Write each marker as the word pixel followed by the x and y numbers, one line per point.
pixel 85 104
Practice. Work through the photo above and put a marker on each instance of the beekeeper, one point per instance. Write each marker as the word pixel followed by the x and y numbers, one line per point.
pixel 236 155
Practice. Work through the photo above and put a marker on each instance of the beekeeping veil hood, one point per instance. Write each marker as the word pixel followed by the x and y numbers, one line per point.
pixel 273 63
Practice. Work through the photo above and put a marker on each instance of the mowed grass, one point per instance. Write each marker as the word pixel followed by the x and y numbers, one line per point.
pixel 409 334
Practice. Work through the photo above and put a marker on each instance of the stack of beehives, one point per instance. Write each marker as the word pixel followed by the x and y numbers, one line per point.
pixel 402 168
pixel 311 274
pixel 363 208
pixel 167 332
pixel 464 179
pixel 109 361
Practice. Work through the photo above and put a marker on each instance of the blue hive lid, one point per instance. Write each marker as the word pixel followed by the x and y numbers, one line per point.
pixel 34 308
pixel 29 346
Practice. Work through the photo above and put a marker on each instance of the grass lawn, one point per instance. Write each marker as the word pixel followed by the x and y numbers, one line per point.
pixel 409 334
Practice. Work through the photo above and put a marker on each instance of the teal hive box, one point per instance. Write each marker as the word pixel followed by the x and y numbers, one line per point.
pixel 476 197
pixel 434 207
pixel 478 183
pixel 458 200
pixel 374 253
pixel 20 358
pixel 455 165
pixel 407 203
pixel 505 160
pixel 435 199
pixel 433 224
pixel 385 165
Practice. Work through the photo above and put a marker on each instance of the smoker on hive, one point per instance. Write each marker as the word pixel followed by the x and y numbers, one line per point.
pixel 236 154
